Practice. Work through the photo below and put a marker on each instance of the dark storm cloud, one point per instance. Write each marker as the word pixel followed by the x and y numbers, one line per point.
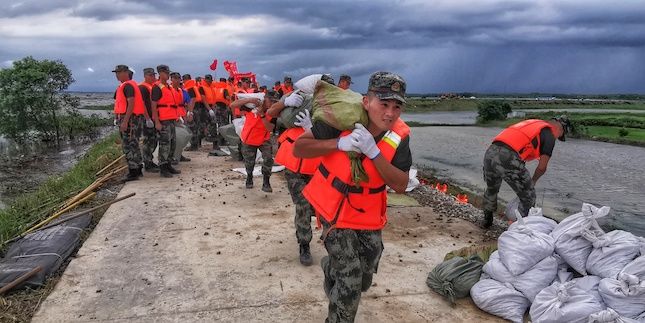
pixel 438 45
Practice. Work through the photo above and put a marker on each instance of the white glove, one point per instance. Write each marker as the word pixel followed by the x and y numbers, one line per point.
pixel 255 111
pixel 346 144
pixel 293 100
pixel 363 140
pixel 304 120
pixel 181 119
pixel 211 113
pixel 149 123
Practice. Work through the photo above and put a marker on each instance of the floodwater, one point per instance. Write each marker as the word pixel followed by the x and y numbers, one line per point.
pixel 579 171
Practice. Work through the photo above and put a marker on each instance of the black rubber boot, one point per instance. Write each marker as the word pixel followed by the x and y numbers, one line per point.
pixel 140 171
pixel 305 255
pixel 151 167
pixel 266 186
pixel 366 283
pixel 488 220
pixel 249 181
pixel 182 158
pixel 133 175
pixel 164 171
pixel 173 170
pixel 174 162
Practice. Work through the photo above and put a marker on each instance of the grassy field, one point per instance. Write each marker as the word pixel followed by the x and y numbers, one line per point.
pixel 34 206
pixel 97 107
pixel 428 105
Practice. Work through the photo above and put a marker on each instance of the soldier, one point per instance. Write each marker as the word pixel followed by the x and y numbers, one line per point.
pixel 222 101
pixel 256 135
pixel 505 160
pixel 149 131
pixel 287 87
pixel 164 112
pixel 297 171
pixel 353 214
pixel 128 110
pixel 345 81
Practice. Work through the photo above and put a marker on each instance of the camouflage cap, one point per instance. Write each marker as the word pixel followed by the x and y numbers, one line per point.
pixel 273 95
pixel 387 85
pixel 346 78
pixel 208 77
pixel 121 68
pixel 163 68
pixel 327 78
pixel 186 77
pixel 149 70
pixel 567 127
pixel 287 78
pixel 175 74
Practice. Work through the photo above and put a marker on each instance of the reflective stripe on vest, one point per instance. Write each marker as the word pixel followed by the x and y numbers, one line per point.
pixel 254 133
pixel 167 105
pixel 285 156
pixel 520 137
pixel 344 205
pixel 121 102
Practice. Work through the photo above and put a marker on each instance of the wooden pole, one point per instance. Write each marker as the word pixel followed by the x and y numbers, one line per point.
pixel 85 212
pixel 57 214
pixel 110 165
pixel 20 280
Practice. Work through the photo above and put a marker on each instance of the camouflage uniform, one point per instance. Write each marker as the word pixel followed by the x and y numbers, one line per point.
pixel 502 163
pixel 249 153
pixel 199 124
pixel 232 139
pixel 150 140
pixel 221 119
pixel 304 211
pixel 352 261
pixel 166 142
pixel 130 141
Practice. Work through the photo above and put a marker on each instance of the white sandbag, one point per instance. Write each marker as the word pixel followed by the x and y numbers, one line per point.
pixel 182 138
pixel 259 95
pixel 537 221
pixel 609 316
pixel 238 123
pixel 307 84
pixel 568 234
pixel 612 252
pixel 636 267
pixel 564 303
pixel 626 295
pixel 529 283
pixel 589 284
pixel 257 170
pixel 499 299
pixel 522 248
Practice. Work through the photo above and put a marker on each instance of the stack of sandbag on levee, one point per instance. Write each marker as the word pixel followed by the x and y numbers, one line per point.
pixel 520 268
pixel 569 236
pixel 626 293
pixel 537 221
pixel 610 316
pixel 611 252
pixel 572 301
pixel 454 277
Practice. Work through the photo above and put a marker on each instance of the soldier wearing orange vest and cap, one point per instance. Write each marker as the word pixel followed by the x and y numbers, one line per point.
pixel 506 157
pixel 149 132
pixel 129 110
pixel 353 214
pixel 164 100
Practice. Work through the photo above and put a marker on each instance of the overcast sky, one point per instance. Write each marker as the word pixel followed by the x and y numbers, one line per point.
pixel 589 46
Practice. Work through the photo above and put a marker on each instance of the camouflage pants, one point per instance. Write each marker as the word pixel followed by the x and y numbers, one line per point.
pixel 502 163
pixel 304 211
pixel 352 261
pixel 232 139
pixel 130 141
pixel 249 153
pixel 150 140
pixel 199 126
pixel 167 142
pixel 221 119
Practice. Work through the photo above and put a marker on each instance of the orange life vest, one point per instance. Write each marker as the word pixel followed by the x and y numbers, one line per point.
pixel 285 156
pixel 254 133
pixel 286 89
pixel 219 88
pixel 521 135
pixel 277 88
pixel 121 102
pixel 191 84
pixel 344 205
pixel 179 102
pixel 208 93
pixel 167 104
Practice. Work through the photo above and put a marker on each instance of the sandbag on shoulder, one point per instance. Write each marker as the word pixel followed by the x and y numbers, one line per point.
pixel 500 299
pixel 568 234
pixel 537 221
pixel 529 283
pixel 521 248
pixel 564 303
pixel 626 295
pixel 609 316
pixel 612 252
pixel 454 278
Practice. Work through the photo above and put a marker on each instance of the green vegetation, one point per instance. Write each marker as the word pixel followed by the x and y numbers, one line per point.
pixel 98 107
pixel 34 206
pixel 34 104
pixel 428 105
pixel 492 110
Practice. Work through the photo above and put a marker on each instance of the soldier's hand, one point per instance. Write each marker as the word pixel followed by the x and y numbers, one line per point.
pixel 211 113
pixel 123 126
pixel 189 117
pixel 149 123
pixel 158 125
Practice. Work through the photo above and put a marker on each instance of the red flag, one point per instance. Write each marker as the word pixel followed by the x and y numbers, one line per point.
pixel 214 65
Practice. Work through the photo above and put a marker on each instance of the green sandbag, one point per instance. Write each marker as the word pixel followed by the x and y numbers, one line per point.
pixel 341 109
pixel 454 278
pixel 483 251
pixel 288 114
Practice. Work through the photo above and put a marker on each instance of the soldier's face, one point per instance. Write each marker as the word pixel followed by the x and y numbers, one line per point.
pixel 343 84
pixel 382 113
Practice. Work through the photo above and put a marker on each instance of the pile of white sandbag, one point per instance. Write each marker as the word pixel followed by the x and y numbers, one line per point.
pixel 521 267
pixel 534 265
